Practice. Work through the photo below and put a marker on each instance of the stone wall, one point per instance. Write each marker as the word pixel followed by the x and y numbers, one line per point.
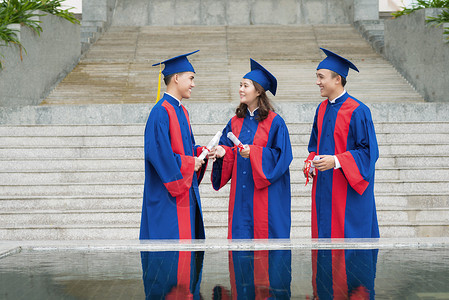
pixel 48 59
pixel 235 12
pixel 420 52
pixel 99 11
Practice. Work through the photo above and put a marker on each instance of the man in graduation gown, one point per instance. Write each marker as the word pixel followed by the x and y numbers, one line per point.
pixel 264 274
pixel 344 145
pixel 344 273
pixel 171 203
pixel 172 274
pixel 260 197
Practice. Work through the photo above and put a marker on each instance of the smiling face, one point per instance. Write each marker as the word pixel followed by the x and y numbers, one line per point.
pixel 185 84
pixel 248 94
pixel 330 85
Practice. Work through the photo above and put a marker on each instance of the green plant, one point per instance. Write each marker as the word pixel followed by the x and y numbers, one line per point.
pixel 420 5
pixel 54 7
pixel 7 35
pixel 24 12
pixel 443 17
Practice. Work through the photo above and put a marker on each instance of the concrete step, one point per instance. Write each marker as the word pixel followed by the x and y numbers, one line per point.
pixel 126 188
pixel 436 215
pixel 76 232
pixel 83 232
pixel 134 152
pixel 70 203
pixel 86 28
pixel 92 23
pixel 218 112
pixel 116 69
pixel 217 202
pixel 71 165
pixel 137 175
pixel 411 161
pixel 373 32
pixel 383 173
pixel 73 130
pixel 86 41
pixel 404 163
pixel 131 218
pixel 137 140
pixel 381 186
pixel 63 218
pixel 209 129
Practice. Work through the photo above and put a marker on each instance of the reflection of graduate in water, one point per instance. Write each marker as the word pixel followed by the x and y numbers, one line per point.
pixel 172 274
pixel 344 274
pixel 258 275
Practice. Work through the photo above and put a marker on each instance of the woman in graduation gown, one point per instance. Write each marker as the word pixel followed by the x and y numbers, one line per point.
pixel 260 197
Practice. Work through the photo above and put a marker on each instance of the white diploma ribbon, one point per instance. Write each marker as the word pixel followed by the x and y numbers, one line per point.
pixel 213 142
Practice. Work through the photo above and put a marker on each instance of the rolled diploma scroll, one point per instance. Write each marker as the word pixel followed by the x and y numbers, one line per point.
pixel 312 167
pixel 235 140
pixel 213 142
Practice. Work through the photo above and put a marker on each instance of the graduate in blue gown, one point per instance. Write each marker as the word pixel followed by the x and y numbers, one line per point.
pixel 171 202
pixel 172 274
pixel 264 274
pixel 260 197
pixel 344 142
pixel 344 273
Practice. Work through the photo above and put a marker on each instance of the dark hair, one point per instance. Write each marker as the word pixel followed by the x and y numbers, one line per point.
pixel 263 101
pixel 343 80
pixel 168 78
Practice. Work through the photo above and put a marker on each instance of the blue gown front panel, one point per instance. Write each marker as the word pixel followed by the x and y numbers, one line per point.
pixel 260 197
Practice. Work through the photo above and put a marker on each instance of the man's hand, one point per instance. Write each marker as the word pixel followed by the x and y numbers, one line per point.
pixel 198 163
pixel 245 152
pixel 326 162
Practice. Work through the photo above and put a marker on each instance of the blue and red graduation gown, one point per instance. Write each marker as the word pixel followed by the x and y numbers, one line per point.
pixel 171 202
pixel 172 274
pixel 264 274
pixel 260 196
pixel 344 274
pixel 343 203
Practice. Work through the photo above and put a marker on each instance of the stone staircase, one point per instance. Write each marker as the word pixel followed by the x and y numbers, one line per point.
pixel 373 32
pixel 86 181
pixel 72 168
pixel 117 68
pixel 90 33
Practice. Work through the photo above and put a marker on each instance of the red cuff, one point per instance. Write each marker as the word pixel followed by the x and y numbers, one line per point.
pixel 352 172
pixel 179 187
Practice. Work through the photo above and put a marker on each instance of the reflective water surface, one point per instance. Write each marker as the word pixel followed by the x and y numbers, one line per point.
pixel 215 274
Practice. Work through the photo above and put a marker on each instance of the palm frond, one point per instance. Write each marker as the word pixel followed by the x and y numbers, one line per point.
pixel 24 12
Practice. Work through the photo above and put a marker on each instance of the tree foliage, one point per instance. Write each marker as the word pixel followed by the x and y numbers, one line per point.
pixel 26 13
pixel 443 17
